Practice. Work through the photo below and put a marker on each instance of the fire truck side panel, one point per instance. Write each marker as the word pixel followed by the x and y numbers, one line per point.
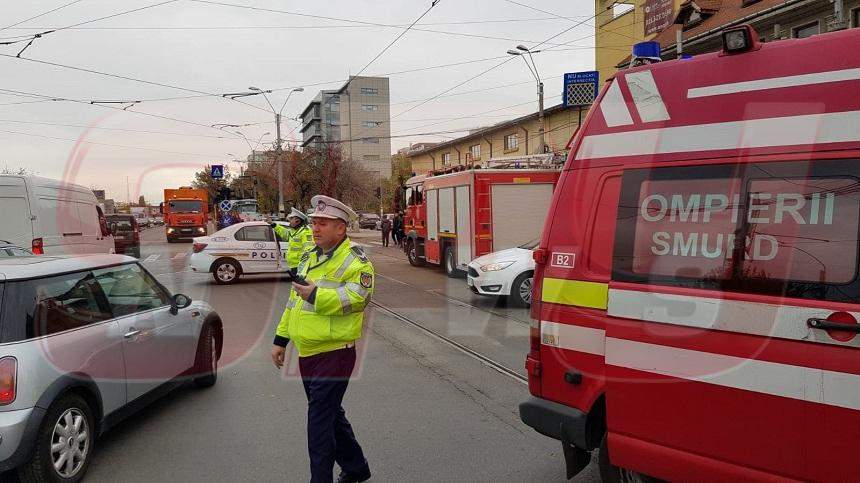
pixel 431 243
pixel 465 229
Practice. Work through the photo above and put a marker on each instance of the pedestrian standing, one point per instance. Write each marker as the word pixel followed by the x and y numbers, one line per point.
pixel 323 318
pixel 386 230
pixel 398 229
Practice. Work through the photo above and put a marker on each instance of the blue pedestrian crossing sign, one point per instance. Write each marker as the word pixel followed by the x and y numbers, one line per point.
pixel 217 171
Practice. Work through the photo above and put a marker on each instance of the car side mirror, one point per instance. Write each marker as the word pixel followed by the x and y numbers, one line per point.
pixel 179 301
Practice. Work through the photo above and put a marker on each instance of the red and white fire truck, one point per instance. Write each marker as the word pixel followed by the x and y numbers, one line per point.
pixel 458 214
pixel 696 292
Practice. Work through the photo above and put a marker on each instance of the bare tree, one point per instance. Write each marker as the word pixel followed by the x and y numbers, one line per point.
pixel 17 171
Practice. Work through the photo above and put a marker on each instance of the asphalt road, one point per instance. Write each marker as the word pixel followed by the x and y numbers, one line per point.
pixel 422 409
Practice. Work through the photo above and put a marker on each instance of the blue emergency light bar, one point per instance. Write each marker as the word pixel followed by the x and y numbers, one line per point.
pixel 649 48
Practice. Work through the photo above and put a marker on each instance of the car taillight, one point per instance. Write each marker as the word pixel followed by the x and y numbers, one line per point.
pixel 37 247
pixel 198 247
pixel 8 376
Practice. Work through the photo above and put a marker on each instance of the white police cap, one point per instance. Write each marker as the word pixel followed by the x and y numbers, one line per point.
pixel 328 207
pixel 294 213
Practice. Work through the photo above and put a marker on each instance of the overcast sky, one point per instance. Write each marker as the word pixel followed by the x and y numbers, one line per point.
pixel 216 47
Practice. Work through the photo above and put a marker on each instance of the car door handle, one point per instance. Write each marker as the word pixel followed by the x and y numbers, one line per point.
pixel 133 332
pixel 825 324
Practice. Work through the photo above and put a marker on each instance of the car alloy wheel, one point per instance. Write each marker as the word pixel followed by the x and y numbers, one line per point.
pixel 525 290
pixel 226 272
pixel 70 443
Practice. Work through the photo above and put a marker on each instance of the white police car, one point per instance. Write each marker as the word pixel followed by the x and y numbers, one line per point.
pixel 240 249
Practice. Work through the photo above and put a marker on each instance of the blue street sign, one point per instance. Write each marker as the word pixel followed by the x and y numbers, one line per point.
pixel 226 205
pixel 580 88
pixel 217 171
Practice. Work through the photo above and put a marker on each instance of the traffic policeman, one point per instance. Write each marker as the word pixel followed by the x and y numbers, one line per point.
pixel 323 318
pixel 298 236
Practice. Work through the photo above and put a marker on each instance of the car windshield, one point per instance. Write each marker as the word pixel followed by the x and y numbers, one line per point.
pixel 185 206
pixel 531 245
pixel 120 225
pixel 247 208
pixel 8 252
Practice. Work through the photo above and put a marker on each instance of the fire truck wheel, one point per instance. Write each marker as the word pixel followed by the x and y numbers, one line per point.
pixel 451 264
pixel 412 254
pixel 610 473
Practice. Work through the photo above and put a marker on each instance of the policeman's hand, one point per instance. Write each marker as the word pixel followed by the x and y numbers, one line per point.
pixel 278 355
pixel 304 291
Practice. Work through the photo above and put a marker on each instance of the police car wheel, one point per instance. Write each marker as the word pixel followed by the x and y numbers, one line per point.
pixel 521 290
pixel 610 473
pixel 226 272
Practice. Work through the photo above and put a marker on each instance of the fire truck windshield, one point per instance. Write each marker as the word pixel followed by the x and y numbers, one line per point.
pixel 185 206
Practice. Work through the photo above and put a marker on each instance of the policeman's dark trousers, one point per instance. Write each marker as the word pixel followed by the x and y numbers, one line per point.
pixel 330 437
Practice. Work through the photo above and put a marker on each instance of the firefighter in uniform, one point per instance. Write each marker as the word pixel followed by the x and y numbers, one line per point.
pixel 298 236
pixel 323 318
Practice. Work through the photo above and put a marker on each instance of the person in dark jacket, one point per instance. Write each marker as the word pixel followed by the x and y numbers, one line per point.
pixel 398 228
pixel 386 230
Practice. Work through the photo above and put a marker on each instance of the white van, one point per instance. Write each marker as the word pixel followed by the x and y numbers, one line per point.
pixel 52 217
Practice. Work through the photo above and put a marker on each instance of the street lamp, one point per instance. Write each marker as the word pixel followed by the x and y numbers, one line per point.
pixel 533 69
pixel 278 141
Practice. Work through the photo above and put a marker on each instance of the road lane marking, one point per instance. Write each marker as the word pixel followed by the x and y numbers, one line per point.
pixel 151 258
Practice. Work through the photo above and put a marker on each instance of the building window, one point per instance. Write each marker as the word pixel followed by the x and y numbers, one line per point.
pixel 369 91
pixel 371 157
pixel 370 140
pixel 619 9
pixel 475 151
pixel 807 30
pixel 511 142
pixel 369 107
pixel 371 124
pixel 855 18
pixel 446 159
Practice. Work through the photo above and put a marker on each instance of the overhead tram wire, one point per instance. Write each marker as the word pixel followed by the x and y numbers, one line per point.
pixel 123 77
pixel 399 36
pixel 107 106
pixel 208 156
pixel 490 69
pixel 140 131
pixel 40 15
pixel 304 27
pixel 350 21
pixel 564 17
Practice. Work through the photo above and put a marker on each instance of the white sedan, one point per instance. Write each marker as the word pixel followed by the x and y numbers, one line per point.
pixel 240 249
pixel 505 273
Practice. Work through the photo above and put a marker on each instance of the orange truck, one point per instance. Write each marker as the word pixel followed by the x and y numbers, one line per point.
pixel 186 213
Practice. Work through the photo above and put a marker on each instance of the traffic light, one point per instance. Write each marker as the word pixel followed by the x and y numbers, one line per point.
pixel 378 192
pixel 225 193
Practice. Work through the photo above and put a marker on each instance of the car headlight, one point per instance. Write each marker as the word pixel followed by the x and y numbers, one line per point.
pixel 495 267
pixel 200 229
pixel 170 230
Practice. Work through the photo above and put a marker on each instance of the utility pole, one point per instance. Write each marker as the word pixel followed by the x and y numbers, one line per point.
pixel 533 69
pixel 279 141
pixel 278 154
